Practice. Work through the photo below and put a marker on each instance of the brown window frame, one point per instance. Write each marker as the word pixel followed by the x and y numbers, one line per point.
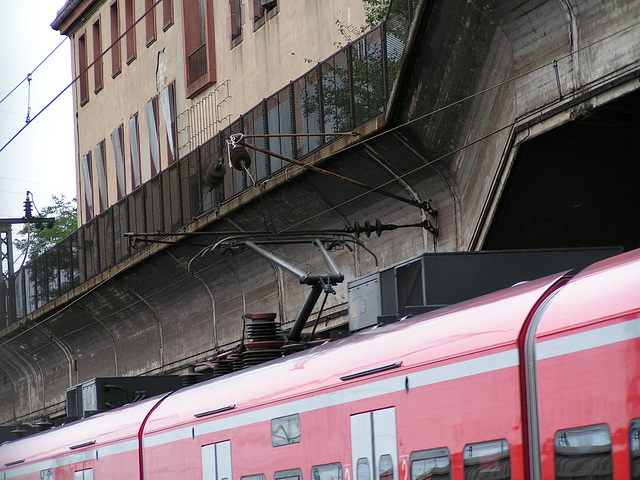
pixel 83 72
pixel 235 22
pixel 156 119
pixel 167 14
pixel 135 157
pixel 88 209
pixel 150 21
pixel 199 53
pixel 171 129
pixel 98 78
pixel 116 54
pixel 130 28
pixel 261 15
pixel 117 143
pixel 101 174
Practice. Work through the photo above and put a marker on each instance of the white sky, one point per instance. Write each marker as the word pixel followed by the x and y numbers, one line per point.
pixel 41 158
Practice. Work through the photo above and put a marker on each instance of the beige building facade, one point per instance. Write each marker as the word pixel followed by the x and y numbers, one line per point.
pixel 157 78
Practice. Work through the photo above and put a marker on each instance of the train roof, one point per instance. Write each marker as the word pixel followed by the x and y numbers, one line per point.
pixel 601 291
pixel 472 328
pixel 101 430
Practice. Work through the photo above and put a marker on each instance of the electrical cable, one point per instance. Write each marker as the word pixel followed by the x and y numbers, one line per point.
pixel 81 74
pixel 33 71
pixel 467 145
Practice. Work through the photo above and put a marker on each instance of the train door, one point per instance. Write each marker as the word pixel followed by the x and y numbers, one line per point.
pixel 374 447
pixel 216 461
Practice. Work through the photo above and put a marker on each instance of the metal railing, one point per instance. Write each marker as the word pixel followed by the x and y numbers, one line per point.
pixel 337 95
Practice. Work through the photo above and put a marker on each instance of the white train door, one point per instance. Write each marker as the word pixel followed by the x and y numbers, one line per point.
pixel 216 461
pixel 374 447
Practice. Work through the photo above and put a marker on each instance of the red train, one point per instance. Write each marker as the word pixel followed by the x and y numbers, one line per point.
pixel 541 380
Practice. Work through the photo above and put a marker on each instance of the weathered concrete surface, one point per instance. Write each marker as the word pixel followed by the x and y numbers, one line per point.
pixel 480 80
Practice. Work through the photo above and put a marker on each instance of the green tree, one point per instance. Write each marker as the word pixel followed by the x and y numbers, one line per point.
pixel 365 82
pixel 38 238
pixel 375 11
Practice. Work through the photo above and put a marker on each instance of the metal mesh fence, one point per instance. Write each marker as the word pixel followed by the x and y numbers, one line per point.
pixel 337 95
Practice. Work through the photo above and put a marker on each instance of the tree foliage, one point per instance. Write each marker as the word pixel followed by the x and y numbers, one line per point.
pixel 375 12
pixel 38 238
pixel 354 87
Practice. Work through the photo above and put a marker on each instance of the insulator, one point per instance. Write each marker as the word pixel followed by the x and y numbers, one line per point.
pixel 367 228
pixel 44 424
pixel 378 227
pixel 357 229
pixel 27 209
pixel 239 158
pixel 19 432
pixel 214 175
pixel 191 377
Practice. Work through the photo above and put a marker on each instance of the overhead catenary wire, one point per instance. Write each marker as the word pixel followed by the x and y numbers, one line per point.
pixel 562 57
pixel 77 77
pixel 409 122
pixel 28 77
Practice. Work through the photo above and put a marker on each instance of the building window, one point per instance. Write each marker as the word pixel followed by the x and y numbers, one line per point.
pixel 583 452
pixel 118 153
pixel 116 57
pixel 487 460
pixel 151 113
pixel 262 9
pixel 235 21
pixel 167 14
pixel 285 430
pixel 101 172
pixel 435 463
pixel 87 176
pixel 200 67
pixel 82 67
pixel 130 18
pixel 97 57
pixel 167 99
pixel 150 21
pixel 134 148
pixel 257 476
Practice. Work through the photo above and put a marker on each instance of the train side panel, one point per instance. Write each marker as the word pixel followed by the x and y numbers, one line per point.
pixel 449 414
pixel 449 383
pixel 588 372
pixel 102 447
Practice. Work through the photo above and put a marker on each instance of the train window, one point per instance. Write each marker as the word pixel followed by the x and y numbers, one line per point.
pixel 363 471
pixel 331 471
pixel 83 474
pixel 259 476
pixel 46 474
pixel 216 461
pixel 487 460
pixel 634 448
pixel 583 453
pixel 432 464
pixel 293 474
pixel 285 430
pixel 386 467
